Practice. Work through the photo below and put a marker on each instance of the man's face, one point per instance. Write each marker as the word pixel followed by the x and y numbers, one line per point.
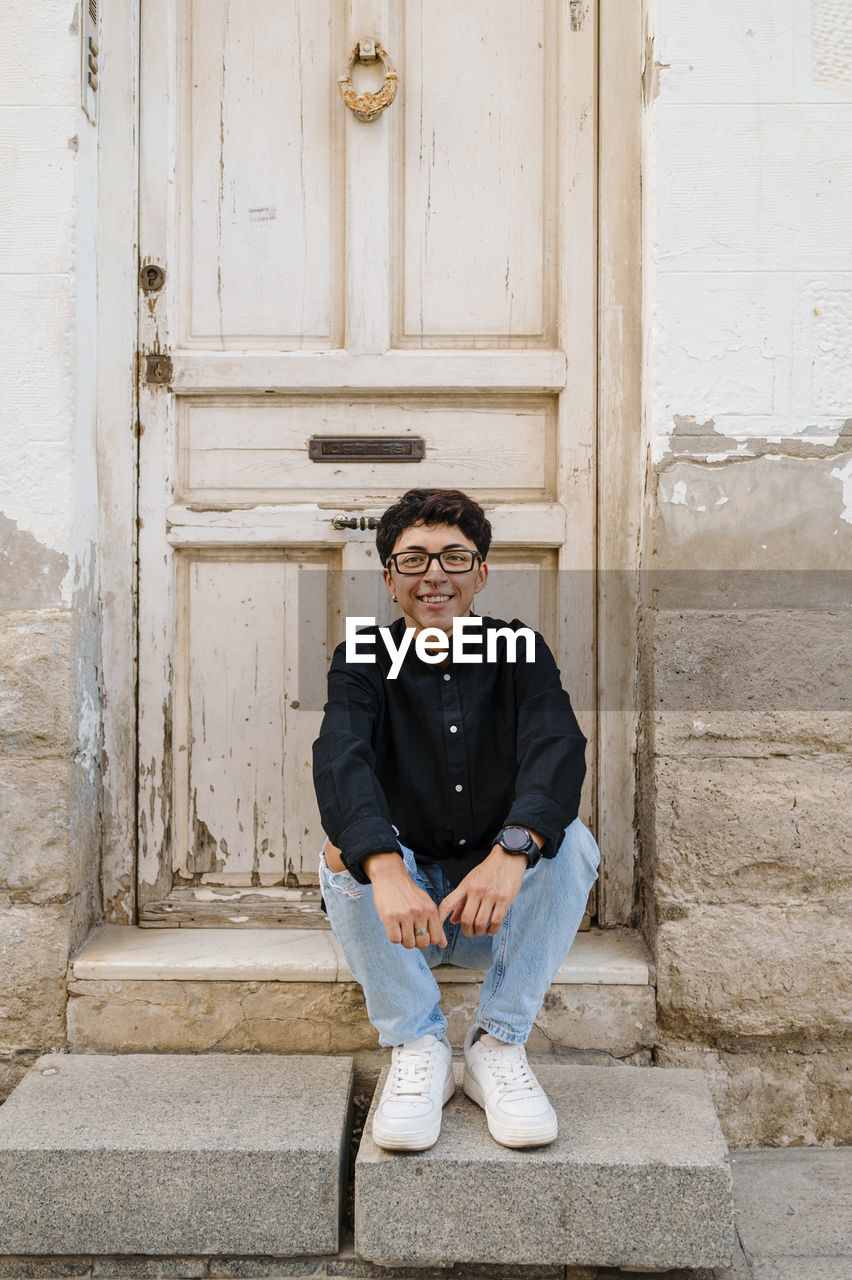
pixel 435 596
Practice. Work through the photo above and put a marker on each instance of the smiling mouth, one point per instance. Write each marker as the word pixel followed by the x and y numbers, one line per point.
pixel 432 599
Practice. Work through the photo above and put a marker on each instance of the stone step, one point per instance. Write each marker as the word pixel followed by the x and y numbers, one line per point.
pixel 290 991
pixel 186 1154
pixel 638 1177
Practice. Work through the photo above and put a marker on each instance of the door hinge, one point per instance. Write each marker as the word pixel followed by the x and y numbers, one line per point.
pixel 158 369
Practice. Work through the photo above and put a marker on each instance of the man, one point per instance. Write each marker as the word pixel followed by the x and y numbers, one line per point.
pixel 449 794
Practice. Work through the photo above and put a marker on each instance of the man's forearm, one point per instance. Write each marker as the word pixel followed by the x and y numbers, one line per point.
pixel 375 866
pixel 379 866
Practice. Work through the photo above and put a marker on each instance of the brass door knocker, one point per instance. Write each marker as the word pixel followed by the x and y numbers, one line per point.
pixel 366 106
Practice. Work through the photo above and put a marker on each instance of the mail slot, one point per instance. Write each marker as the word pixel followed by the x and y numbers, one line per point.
pixel 366 448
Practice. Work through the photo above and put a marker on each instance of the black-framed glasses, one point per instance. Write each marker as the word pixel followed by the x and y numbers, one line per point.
pixel 412 562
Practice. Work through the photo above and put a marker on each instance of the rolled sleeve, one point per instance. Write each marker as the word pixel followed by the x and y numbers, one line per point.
pixel 361 839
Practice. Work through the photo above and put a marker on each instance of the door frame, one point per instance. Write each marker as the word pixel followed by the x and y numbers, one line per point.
pixel 620 444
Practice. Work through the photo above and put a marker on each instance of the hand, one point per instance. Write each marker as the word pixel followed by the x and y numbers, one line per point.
pixel 487 892
pixel 403 906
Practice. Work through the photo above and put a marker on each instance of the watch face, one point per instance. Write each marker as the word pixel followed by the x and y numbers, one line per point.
pixel 515 838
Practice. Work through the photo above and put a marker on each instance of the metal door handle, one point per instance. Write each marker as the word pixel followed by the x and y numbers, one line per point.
pixel 355 522
pixel 366 106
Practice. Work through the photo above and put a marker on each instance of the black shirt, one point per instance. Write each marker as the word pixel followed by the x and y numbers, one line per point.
pixel 446 753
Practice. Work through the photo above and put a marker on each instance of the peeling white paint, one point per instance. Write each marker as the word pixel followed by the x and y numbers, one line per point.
pixel 48 165
pixel 88 721
pixel 748 312
pixel 844 475
pixel 678 498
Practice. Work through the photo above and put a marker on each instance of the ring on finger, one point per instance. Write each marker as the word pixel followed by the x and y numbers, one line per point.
pixel 419 932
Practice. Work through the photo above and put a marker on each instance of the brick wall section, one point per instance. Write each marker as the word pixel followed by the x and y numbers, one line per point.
pixel 48 619
pixel 747 716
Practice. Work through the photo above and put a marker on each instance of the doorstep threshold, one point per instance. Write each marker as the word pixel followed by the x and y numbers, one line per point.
pixel 116 952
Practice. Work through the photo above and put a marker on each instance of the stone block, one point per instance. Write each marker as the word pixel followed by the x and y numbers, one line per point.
pixel 607 956
pixel 728 972
pixel 775 1097
pixel 753 831
pixel 35 1268
pixel 619 1020
pixel 35 682
pixel 795 1207
pixel 738 1270
pixel 779 514
pixel 809 1268
pixel 135 1016
pixel 158 1154
pixel 265 1268
pixel 13 1067
pixel 34 827
pixel 117 952
pixel 138 1268
pixel 349 1263
pixel 34 943
pixel 180 1017
pixel 637 1177
pixel 749 682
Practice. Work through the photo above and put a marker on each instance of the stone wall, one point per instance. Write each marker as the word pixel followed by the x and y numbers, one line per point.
pixel 49 683
pixel 746 627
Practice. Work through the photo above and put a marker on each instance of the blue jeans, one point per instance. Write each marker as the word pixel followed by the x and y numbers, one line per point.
pixel 403 998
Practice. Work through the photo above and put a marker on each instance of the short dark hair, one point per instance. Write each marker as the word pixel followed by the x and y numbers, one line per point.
pixel 433 506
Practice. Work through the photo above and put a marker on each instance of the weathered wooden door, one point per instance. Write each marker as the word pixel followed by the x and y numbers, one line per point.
pixel 427 276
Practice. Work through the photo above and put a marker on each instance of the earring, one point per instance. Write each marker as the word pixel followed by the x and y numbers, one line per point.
pixel 394 599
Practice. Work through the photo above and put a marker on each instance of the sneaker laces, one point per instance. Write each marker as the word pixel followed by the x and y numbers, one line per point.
pixel 510 1069
pixel 410 1072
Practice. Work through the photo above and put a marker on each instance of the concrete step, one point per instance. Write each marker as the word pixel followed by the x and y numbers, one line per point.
pixel 637 1177
pixel 135 990
pixel 151 1154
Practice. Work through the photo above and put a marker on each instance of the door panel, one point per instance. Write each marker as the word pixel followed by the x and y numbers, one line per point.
pixel 242 741
pixel 476 147
pixel 260 156
pixel 329 277
pixel 243 452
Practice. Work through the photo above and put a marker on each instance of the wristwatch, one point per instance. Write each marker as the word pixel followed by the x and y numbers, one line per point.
pixel 518 840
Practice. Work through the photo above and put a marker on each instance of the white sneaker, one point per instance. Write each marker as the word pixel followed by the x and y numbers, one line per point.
pixel 419 1083
pixel 497 1076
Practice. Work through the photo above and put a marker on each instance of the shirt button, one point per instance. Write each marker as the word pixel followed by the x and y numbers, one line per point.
pixel 459 787
pixel 462 842
pixel 454 728
pixel 446 675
